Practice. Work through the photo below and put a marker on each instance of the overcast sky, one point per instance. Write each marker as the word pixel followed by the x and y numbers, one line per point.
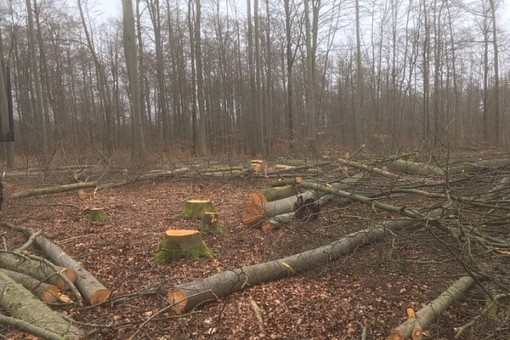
pixel 113 8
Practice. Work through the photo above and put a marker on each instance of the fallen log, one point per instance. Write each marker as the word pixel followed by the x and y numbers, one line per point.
pixel 280 220
pixel 36 269
pixel 256 213
pixel 416 168
pixel 92 290
pixel 46 292
pixel 187 296
pixel 425 316
pixel 23 305
pixel 367 168
pixel 54 189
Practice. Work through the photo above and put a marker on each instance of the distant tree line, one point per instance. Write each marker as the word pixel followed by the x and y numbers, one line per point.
pixel 255 76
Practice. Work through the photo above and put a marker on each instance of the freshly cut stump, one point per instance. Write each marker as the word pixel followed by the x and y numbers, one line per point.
pixel 257 166
pixel 96 215
pixel 180 244
pixel 195 209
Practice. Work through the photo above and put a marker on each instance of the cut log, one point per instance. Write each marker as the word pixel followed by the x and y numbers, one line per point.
pixel 283 182
pixel 53 190
pixel 254 214
pixel 258 166
pixel 195 209
pixel 185 297
pixel 45 292
pixel 416 168
pixel 180 244
pixel 92 290
pixel 426 315
pixel 276 193
pixel 257 213
pixel 23 305
pixel 39 270
pixel 367 168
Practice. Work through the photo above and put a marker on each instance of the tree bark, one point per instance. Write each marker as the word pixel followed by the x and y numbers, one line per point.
pixel 426 315
pixel 53 190
pixel 138 152
pixel 189 295
pixel 21 304
pixel 36 269
pixel 44 291
pixel 92 290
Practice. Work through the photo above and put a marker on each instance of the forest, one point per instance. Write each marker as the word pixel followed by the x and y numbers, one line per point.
pixel 248 77
pixel 259 169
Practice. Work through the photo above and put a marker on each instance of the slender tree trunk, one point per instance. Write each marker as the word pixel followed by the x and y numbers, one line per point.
pixel 39 108
pixel 138 143
pixel 358 116
pixel 290 64
pixel 496 73
pixel 104 88
pixel 202 119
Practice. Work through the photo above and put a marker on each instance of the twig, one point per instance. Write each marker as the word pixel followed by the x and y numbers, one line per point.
pixel 29 241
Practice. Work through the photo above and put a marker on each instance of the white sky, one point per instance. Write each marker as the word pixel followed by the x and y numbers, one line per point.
pixel 113 8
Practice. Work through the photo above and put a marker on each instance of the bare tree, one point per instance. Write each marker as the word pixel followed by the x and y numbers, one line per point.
pixel 40 114
pixel 202 116
pixel 138 143
pixel 496 71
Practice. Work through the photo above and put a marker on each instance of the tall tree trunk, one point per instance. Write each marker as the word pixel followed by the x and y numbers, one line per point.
pixel 290 64
pixel 6 109
pixel 202 119
pixel 194 122
pixel 128 20
pixel 154 10
pixel 104 89
pixel 258 81
pixel 358 119
pixel 496 72
pixel 39 113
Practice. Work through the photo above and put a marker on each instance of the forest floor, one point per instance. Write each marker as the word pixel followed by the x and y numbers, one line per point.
pixel 368 290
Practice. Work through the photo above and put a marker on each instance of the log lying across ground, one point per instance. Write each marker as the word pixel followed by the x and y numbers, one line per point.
pixel 256 211
pixel 92 290
pixel 185 297
pixel 54 189
pixel 414 326
pixel 45 292
pixel 36 269
pixel 23 305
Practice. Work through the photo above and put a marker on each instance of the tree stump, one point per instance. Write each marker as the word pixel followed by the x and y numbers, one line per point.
pixel 257 166
pixel 180 244
pixel 195 209
pixel 210 223
pixel 96 215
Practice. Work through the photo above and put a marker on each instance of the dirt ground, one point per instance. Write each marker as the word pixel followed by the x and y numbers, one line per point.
pixel 368 290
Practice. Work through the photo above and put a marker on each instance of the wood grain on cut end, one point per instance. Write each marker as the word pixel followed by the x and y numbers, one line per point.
pixel 50 294
pixel 253 214
pixel 70 274
pixel 99 296
pixel 178 299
